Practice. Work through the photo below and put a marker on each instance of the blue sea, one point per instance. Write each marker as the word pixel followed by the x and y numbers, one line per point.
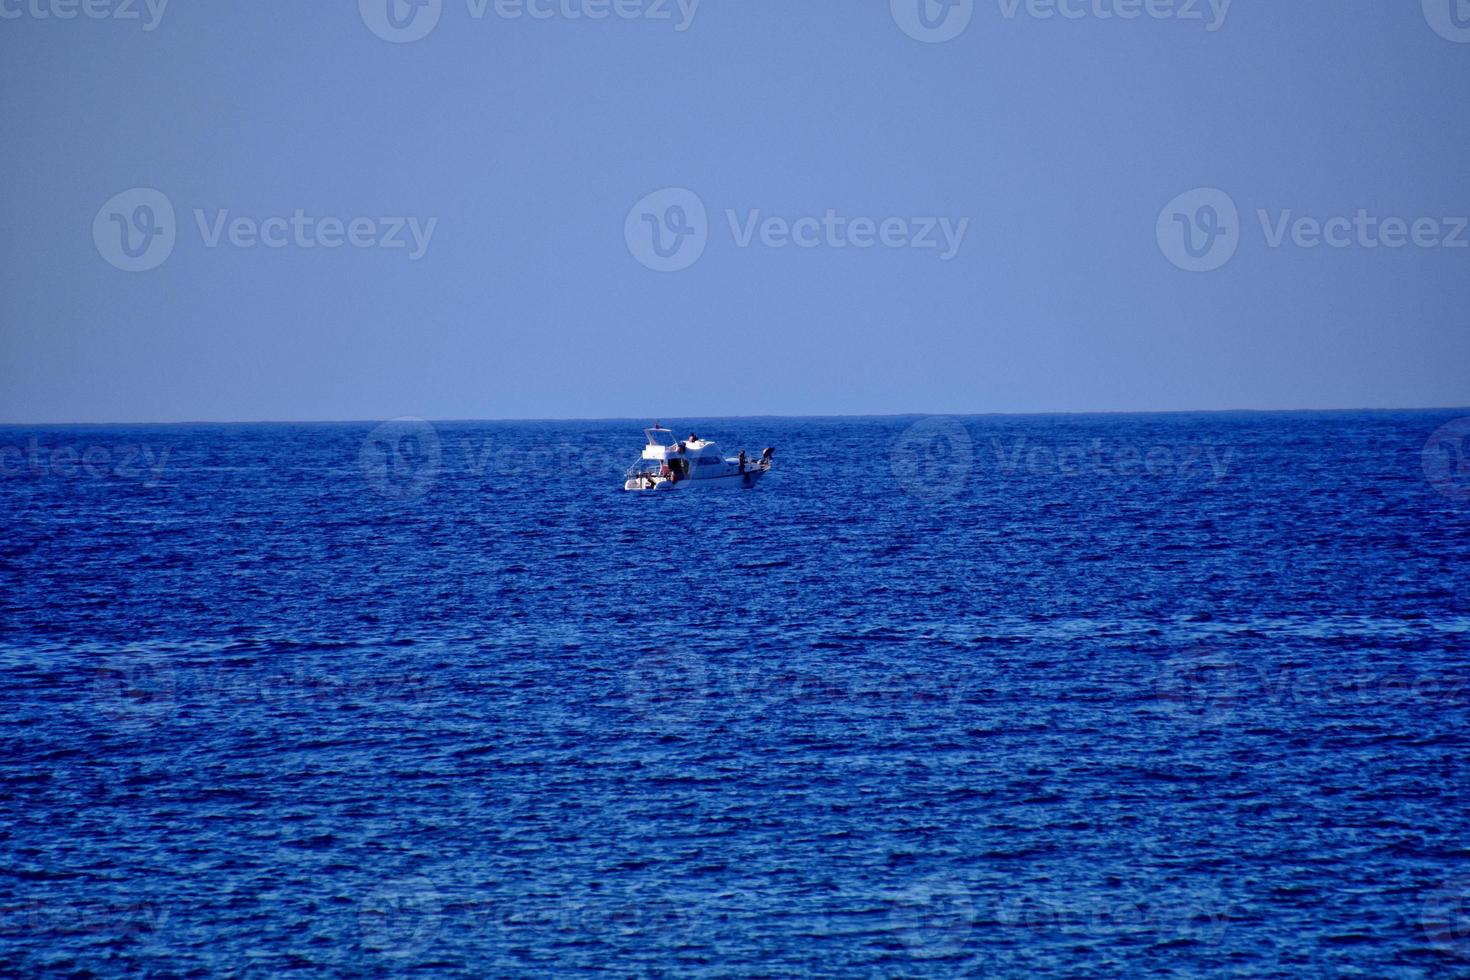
pixel 1111 695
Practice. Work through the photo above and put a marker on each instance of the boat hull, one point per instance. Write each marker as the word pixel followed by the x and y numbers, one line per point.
pixel 735 481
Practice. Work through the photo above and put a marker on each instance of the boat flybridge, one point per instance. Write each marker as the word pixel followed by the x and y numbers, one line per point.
pixel 670 464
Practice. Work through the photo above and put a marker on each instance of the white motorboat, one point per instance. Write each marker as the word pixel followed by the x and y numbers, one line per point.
pixel 668 463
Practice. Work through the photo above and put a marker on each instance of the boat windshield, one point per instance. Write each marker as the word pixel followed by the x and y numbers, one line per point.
pixel 659 437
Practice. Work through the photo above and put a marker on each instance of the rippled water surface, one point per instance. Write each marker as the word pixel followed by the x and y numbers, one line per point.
pixel 1111 695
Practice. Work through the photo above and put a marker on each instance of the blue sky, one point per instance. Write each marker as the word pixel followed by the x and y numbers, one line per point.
pixel 496 174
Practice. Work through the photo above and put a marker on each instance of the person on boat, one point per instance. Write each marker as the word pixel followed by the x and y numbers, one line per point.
pixel 742 461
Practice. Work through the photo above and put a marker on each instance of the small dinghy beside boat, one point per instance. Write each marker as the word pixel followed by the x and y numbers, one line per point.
pixel 671 464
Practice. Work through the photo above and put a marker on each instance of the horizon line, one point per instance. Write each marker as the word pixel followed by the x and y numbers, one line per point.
pixel 865 415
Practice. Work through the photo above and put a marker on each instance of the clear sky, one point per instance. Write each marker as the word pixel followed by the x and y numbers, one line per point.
pixel 1055 149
